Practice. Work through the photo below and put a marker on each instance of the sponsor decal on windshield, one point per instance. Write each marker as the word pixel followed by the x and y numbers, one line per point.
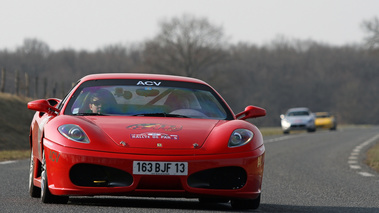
pixel 149 83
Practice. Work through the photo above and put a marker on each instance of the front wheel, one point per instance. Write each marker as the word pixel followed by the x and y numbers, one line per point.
pixel 33 190
pixel 46 196
pixel 246 204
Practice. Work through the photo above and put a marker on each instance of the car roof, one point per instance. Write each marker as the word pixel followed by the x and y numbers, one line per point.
pixel 141 76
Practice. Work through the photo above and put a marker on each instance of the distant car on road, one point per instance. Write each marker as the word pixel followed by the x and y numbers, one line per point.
pixel 300 118
pixel 326 120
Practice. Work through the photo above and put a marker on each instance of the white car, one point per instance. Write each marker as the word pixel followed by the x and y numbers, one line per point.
pixel 300 118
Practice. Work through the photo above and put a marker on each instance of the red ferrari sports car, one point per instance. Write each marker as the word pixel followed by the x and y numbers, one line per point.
pixel 145 135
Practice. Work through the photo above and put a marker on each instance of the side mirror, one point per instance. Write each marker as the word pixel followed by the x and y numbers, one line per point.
pixel 251 112
pixel 42 105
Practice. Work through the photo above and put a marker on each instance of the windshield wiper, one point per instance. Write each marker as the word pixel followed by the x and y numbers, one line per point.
pixel 90 114
pixel 161 114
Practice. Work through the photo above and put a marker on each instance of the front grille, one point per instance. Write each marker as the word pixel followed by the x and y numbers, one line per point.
pixel 219 178
pixel 92 175
pixel 298 125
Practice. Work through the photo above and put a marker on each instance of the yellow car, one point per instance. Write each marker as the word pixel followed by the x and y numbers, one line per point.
pixel 325 120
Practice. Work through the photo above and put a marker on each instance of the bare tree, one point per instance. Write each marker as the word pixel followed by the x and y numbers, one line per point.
pixel 185 45
pixel 35 46
pixel 26 85
pixel 2 87
pixel 36 86
pixel 17 82
pixel 372 28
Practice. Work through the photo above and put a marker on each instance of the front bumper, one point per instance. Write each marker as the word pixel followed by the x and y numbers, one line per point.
pixel 82 172
pixel 325 124
pixel 286 126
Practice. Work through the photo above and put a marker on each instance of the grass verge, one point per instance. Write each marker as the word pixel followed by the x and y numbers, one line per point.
pixel 267 131
pixel 14 122
pixel 14 155
pixel 373 157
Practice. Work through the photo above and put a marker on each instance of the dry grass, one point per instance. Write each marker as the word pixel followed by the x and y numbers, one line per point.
pixel 266 131
pixel 14 155
pixel 373 157
pixel 14 122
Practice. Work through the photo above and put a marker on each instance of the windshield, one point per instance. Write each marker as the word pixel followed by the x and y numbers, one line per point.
pixel 118 97
pixel 323 115
pixel 298 113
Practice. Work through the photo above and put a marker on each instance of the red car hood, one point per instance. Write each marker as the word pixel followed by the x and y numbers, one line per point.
pixel 153 132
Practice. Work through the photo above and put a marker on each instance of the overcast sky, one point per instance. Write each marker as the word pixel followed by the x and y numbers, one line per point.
pixel 92 24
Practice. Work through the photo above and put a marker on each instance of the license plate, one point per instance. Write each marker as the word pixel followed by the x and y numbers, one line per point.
pixel 160 168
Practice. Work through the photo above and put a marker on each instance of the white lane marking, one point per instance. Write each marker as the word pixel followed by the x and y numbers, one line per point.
pixel 355 167
pixel 366 174
pixel 8 162
pixel 353 163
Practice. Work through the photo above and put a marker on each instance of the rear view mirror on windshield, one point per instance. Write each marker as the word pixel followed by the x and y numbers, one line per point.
pixel 147 92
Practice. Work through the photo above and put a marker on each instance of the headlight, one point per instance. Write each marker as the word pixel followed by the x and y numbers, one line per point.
pixel 240 137
pixel 74 133
pixel 285 123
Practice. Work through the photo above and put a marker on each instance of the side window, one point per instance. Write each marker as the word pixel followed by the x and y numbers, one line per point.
pixel 62 103
pixel 210 105
pixel 85 101
pixel 80 102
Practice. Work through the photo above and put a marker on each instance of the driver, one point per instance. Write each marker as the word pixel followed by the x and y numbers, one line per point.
pixel 96 104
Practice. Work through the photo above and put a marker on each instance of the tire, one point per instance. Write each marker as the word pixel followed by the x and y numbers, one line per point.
pixel 46 196
pixel 246 204
pixel 33 190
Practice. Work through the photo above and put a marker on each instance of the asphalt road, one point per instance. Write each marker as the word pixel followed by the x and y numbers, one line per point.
pixel 306 172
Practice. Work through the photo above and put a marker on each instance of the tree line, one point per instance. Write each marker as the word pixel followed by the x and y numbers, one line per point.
pixel 281 74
